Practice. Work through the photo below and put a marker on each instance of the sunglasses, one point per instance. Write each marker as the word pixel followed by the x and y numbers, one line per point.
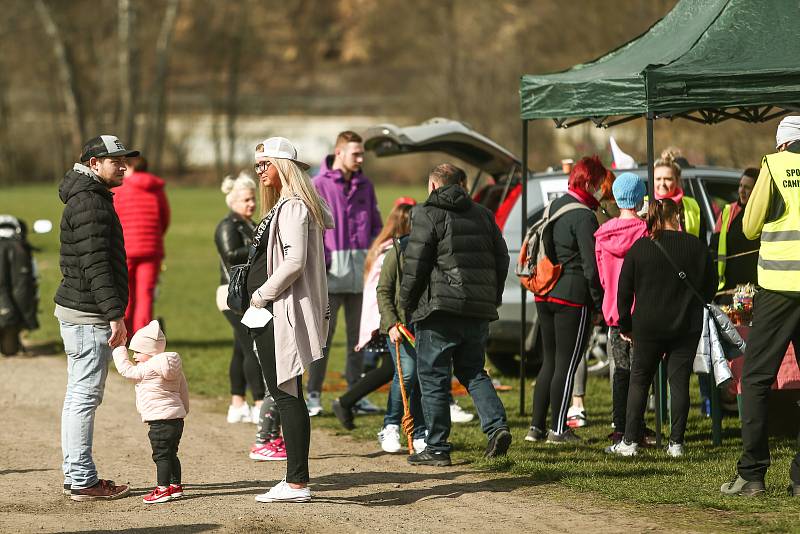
pixel 262 166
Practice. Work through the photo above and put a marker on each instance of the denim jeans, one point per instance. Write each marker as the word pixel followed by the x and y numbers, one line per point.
pixel 394 408
pixel 444 340
pixel 88 355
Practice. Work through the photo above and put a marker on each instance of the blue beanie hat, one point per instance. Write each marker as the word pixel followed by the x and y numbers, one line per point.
pixel 628 190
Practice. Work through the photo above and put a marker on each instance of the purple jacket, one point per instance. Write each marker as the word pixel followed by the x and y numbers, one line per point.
pixel 357 223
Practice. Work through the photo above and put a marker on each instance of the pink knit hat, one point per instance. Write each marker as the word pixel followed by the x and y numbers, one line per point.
pixel 149 339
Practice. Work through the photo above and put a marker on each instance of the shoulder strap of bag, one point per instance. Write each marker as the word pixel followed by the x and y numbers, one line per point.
pixel 681 273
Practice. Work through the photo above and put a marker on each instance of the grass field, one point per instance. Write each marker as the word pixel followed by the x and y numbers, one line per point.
pixel 198 331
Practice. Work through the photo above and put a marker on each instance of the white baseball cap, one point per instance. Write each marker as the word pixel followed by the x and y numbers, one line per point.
pixel 281 148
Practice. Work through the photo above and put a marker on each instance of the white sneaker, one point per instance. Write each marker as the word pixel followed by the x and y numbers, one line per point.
pixel 576 417
pixel 459 415
pixel 419 445
pixel 255 415
pixel 623 449
pixel 283 492
pixel 389 438
pixel 314 404
pixel 675 449
pixel 239 414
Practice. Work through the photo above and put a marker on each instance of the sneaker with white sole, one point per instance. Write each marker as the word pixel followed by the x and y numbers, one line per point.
pixel 158 495
pixel 283 492
pixel 314 404
pixel 576 417
pixel 459 415
pixel 389 438
pixel 623 449
pixel 239 414
pixel 176 490
pixel 269 452
pixel 565 438
pixel 365 407
pixel 675 450
pixel 419 445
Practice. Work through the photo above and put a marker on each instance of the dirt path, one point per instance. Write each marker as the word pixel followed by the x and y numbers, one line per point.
pixel 355 489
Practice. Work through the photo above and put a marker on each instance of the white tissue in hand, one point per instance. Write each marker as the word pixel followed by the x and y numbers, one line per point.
pixel 256 317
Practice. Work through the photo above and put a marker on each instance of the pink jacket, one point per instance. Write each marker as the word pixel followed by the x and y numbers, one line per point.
pixel 370 314
pixel 161 389
pixel 612 241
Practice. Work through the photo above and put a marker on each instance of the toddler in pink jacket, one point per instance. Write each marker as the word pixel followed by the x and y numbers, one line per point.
pixel 162 398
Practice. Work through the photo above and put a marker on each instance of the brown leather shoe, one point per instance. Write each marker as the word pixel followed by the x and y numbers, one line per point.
pixel 103 490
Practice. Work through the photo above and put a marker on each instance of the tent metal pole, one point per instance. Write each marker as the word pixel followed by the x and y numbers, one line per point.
pixel 523 291
pixel 659 389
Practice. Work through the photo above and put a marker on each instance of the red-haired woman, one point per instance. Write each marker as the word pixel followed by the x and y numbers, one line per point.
pixel 565 314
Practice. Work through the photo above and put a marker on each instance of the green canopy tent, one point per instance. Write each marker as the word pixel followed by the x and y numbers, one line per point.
pixel 707 61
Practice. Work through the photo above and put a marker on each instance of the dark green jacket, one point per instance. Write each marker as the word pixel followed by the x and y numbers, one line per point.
pixel 456 260
pixel 389 288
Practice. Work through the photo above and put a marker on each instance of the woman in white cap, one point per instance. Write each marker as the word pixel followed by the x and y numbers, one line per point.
pixel 287 276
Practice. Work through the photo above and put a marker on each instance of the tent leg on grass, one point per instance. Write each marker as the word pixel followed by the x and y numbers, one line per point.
pixel 523 292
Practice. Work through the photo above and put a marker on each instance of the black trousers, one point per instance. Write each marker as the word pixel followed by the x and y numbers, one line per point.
pixel 244 369
pixel 776 322
pixel 565 331
pixel 293 412
pixel 165 436
pixel 369 382
pixel 647 354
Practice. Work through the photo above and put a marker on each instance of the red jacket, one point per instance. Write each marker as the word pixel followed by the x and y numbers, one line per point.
pixel 144 213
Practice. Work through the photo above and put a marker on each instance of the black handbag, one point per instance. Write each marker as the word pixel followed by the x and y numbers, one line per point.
pixel 238 297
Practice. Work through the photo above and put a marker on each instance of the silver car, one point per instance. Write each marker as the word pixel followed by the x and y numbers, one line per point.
pixel 496 186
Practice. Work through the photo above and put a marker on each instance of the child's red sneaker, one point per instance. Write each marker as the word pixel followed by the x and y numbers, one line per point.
pixel 157 495
pixel 176 491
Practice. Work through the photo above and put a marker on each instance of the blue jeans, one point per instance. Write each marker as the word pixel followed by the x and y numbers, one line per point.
pixel 88 355
pixel 445 340
pixel 394 408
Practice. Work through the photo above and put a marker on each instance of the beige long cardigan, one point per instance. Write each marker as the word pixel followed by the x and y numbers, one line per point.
pixel 298 288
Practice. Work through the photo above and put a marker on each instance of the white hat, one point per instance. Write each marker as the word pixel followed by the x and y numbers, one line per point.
pixel 788 130
pixel 149 339
pixel 281 148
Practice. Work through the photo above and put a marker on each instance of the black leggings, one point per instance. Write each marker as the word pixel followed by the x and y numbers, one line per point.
pixel 244 370
pixel 647 354
pixel 165 436
pixel 294 414
pixel 565 331
pixel 369 382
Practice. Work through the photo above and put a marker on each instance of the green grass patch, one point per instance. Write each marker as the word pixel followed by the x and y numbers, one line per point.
pixel 649 482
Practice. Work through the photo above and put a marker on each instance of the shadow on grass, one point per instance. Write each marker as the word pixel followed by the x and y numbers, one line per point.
pixel 167 529
pixel 404 496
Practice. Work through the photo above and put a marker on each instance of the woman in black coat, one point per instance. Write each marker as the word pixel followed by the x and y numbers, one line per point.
pixel 668 318
pixel 233 236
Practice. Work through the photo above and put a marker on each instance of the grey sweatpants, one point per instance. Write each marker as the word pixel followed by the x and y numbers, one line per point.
pixel 355 361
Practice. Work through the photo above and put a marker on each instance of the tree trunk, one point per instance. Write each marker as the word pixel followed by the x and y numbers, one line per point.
pixel 66 74
pixel 154 142
pixel 232 89
pixel 127 79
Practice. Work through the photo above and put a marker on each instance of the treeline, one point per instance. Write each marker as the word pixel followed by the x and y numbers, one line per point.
pixel 71 68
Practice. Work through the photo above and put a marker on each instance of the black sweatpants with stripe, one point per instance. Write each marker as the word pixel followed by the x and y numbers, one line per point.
pixel 564 332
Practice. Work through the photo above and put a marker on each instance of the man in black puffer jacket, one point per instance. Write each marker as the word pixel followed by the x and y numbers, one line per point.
pixel 90 304
pixel 453 275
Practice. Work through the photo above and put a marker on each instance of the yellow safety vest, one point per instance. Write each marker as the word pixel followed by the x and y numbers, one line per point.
pixel 779 255
pixel 722 248
pixel 691 216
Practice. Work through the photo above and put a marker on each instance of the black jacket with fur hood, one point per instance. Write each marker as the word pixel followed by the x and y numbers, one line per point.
pixel 93 266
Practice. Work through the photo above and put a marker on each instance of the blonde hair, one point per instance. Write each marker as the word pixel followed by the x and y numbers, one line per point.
pixel 398 224
pixel 230 186
pixel 294 182
pixel 669 159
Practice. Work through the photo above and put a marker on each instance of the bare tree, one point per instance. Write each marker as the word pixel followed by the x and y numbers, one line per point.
pixel 232 86
pixel 66 72
pixel 154 142
pixel 127 49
